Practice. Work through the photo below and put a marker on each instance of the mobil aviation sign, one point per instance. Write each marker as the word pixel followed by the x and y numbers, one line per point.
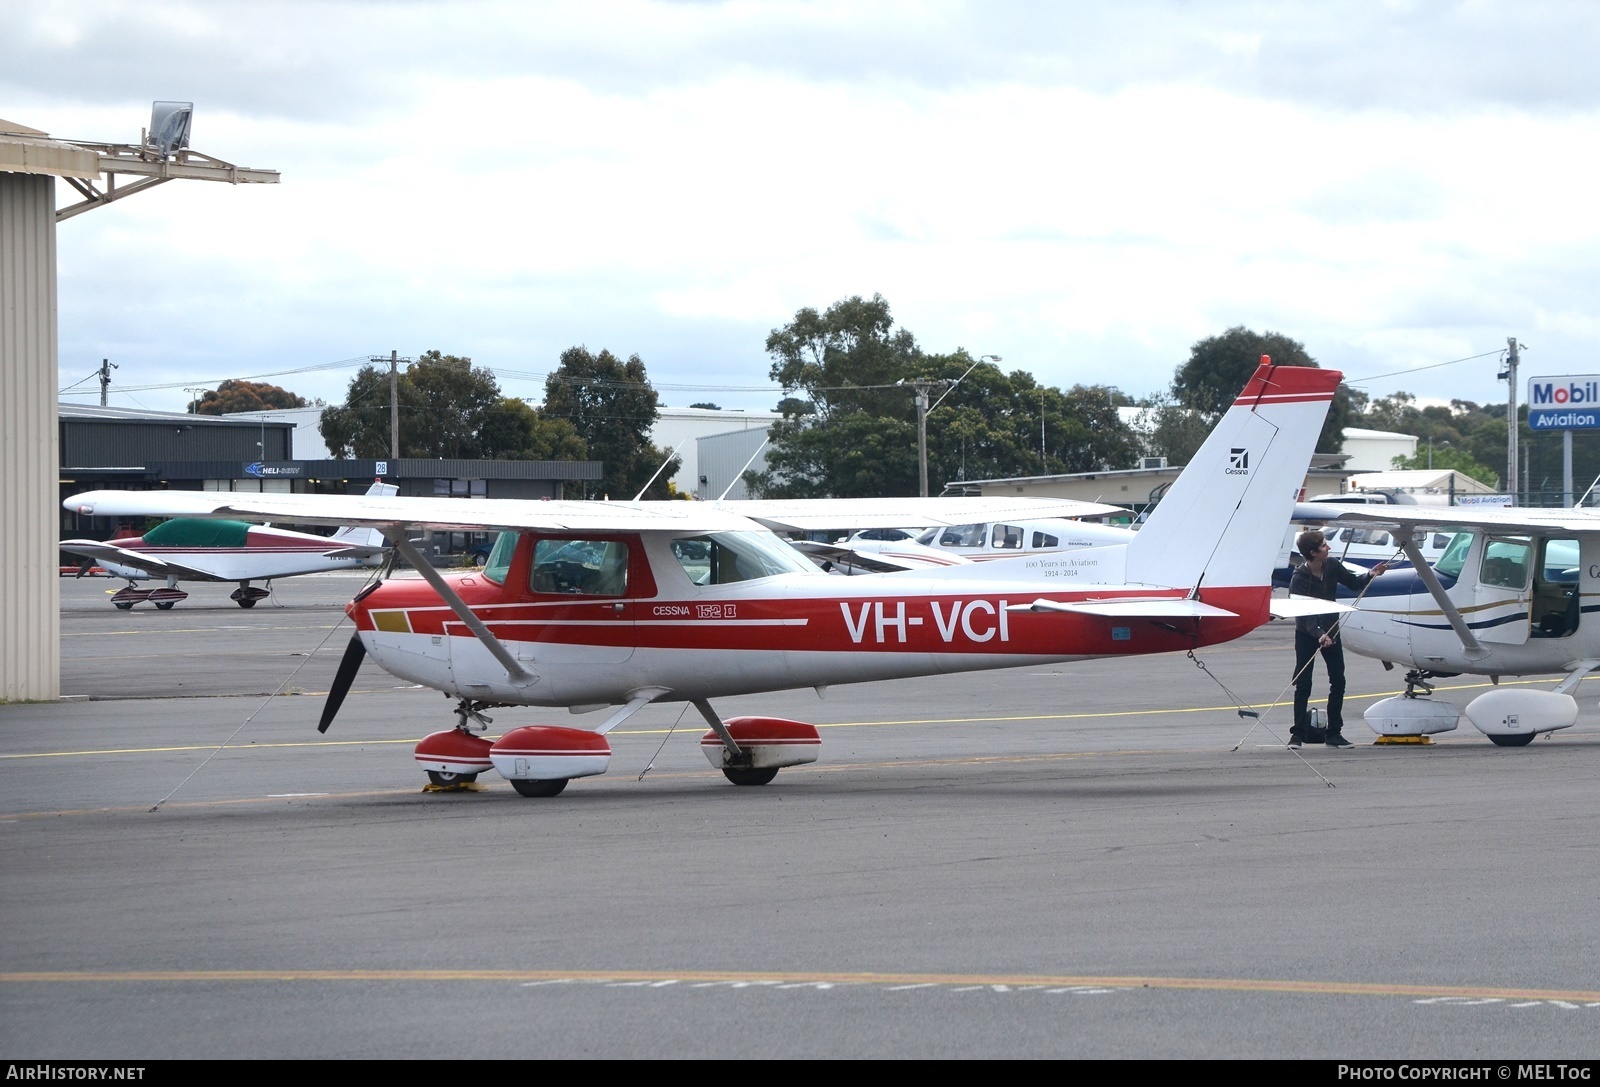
pixel 1564 403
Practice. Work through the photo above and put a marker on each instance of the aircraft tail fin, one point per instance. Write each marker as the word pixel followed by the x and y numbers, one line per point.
pixel 1222 519
pixel 368 537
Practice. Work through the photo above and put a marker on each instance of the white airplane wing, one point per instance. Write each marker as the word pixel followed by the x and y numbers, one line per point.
pixel 1293 607
pixel 475 514
pixel 849 560
pixel 1503 518
pixel 814 514
pixel 1161 607
pixel 137 560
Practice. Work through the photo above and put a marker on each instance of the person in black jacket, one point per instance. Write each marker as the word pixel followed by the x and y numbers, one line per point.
pixel 1320 575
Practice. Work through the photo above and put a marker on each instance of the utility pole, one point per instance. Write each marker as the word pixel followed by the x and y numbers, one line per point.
pixel 106 366
pixel 1512 424
pixel 394 405
pixel 923 388
pixel 1044 463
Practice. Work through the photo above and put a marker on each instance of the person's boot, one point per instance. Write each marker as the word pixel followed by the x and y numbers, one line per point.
pixel 1336 739
pixel 1295 738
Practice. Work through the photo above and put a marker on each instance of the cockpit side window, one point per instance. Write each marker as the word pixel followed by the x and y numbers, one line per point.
pixel 1006 537
pixel 962 536
pixel 1505 562
pixel 579 567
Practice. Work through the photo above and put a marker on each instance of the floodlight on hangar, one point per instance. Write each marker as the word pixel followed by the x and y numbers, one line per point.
pixel 169 126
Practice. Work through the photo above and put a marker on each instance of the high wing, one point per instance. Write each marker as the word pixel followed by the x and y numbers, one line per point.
pixel 1505 519
pixel 814 514
pixel 137 560
pixel 490 514
pixel 477 514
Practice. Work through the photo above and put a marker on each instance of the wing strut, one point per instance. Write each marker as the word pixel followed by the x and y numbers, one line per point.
pixel 396 534
pixel 717 726
pixel 1469 641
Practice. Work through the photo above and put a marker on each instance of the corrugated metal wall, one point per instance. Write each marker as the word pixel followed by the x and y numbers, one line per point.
pixel 123 444
pixel 723 459
pixel 30 590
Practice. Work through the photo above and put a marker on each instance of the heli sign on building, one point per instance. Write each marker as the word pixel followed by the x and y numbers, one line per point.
pixel 1564 403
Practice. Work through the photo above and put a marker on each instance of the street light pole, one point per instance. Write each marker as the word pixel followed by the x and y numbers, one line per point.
pixel 194 399
pixel 923 388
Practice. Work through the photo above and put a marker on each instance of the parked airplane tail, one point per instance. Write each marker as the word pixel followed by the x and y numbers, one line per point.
pixel 1222 520
pixel 367 537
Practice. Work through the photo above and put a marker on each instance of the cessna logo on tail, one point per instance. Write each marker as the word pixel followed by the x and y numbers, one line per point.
pixel 1238 462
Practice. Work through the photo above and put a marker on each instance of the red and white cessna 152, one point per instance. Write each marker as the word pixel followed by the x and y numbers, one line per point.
pixel 611 606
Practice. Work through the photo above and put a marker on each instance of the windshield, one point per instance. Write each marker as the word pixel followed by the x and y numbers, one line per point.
pixel 498 565
pixel 1455 556
pixel 724 557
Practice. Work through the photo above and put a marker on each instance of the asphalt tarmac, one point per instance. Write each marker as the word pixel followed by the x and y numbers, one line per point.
pixel 1099 859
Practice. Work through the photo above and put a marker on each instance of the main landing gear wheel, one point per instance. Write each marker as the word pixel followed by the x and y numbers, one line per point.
pixel 749 777
pixel 445 778
pixel 165 605
pixel 1518 739
pixel 539 787
pixel 126 605
pixel 246 602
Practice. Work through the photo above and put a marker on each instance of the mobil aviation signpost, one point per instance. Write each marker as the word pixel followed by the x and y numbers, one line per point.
pixel 1567 403
pixel 1564 403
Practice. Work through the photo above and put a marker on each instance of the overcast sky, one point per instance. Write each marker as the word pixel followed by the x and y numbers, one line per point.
pixel 1084 189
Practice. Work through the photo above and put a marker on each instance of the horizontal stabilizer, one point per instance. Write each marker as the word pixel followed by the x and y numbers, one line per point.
pixel 1295 606
pixel 361 552
pixel 1160 607
pixel 821 553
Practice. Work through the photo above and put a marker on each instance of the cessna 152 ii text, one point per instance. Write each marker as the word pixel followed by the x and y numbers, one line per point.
pixel 594 606
pixel 204 549
pixel 1514 594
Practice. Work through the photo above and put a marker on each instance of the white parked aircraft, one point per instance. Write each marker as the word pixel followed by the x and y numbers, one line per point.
pixel 205 549
pixel 1515 593
pixel 612 606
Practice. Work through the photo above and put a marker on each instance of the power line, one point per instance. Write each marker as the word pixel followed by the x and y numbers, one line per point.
pixel 1419 369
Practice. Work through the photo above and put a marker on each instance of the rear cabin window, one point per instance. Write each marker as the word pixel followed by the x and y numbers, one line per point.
pixel 579 567
pixel 725 557
pixel 1044 539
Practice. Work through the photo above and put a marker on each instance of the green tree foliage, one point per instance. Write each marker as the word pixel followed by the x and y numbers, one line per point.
pixel 850 413
pixel 612 407
pixel 1173 431
pixel 237 394
pixel 448 408
pixel 1219 366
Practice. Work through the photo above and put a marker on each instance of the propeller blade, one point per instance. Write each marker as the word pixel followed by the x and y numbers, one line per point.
pixel 342 679
pixel 88 564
